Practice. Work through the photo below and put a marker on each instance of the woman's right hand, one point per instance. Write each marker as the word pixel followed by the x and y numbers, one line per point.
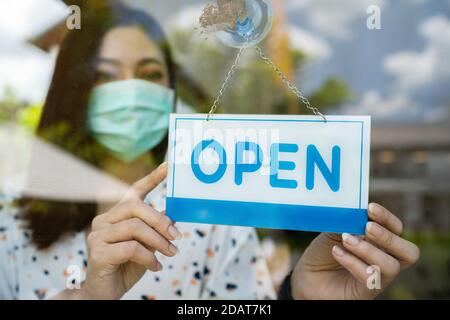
pixel 123 242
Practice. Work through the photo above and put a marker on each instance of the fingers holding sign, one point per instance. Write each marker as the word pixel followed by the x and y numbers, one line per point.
pixel 382 247
pixel 385 232
pixel 136 209
pixel 133 219
pixel 130 232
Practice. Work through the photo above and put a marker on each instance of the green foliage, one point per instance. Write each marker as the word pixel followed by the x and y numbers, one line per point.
pixel 30 115
pixel 10 106
pixel 298 58
pixel 13 110
pixel 430 238
pixel 333 92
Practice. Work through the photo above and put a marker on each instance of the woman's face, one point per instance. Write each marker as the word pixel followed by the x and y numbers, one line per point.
pixel 128 53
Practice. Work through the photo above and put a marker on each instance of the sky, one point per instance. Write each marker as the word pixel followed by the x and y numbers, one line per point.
pixel 400 73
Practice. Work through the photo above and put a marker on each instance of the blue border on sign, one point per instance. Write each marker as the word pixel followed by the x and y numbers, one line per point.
pixel 272 120
pixel 267 215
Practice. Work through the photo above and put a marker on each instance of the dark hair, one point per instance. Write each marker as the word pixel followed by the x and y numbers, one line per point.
pixel 66 106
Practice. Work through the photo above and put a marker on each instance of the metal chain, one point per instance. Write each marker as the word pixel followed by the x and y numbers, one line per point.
pixel 225 83
pixel 289 84
pixel 277 70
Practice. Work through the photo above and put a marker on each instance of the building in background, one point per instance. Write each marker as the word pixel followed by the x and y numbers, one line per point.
pixel 410 173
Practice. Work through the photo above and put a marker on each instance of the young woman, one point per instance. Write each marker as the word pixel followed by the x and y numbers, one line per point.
pixel 112 91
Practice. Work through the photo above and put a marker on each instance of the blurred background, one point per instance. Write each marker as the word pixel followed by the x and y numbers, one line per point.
pixel 399 74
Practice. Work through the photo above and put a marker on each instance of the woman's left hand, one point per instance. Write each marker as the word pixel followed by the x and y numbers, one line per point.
pixel 338 267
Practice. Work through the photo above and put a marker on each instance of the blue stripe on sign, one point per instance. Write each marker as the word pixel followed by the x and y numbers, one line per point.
pixel 267 215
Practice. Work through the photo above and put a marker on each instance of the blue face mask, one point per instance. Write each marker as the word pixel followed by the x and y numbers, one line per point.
pixel 129 117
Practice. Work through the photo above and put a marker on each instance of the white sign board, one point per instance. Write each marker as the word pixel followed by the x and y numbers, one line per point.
pixel 267 171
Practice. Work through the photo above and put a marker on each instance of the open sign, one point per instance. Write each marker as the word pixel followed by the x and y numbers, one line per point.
pixel 282 172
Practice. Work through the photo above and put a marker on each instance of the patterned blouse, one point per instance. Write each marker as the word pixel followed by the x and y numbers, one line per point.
pixel 214 262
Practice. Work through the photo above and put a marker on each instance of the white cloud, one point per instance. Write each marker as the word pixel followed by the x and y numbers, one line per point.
pixel 410 69
pixel 381 108
pixel 309 43
pixel 414 69
pixel 374 104
pixel 397 106
pixel 331 17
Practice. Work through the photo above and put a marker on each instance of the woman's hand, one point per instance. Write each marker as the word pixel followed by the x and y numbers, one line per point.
pixel 123 242
pixel 335 267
